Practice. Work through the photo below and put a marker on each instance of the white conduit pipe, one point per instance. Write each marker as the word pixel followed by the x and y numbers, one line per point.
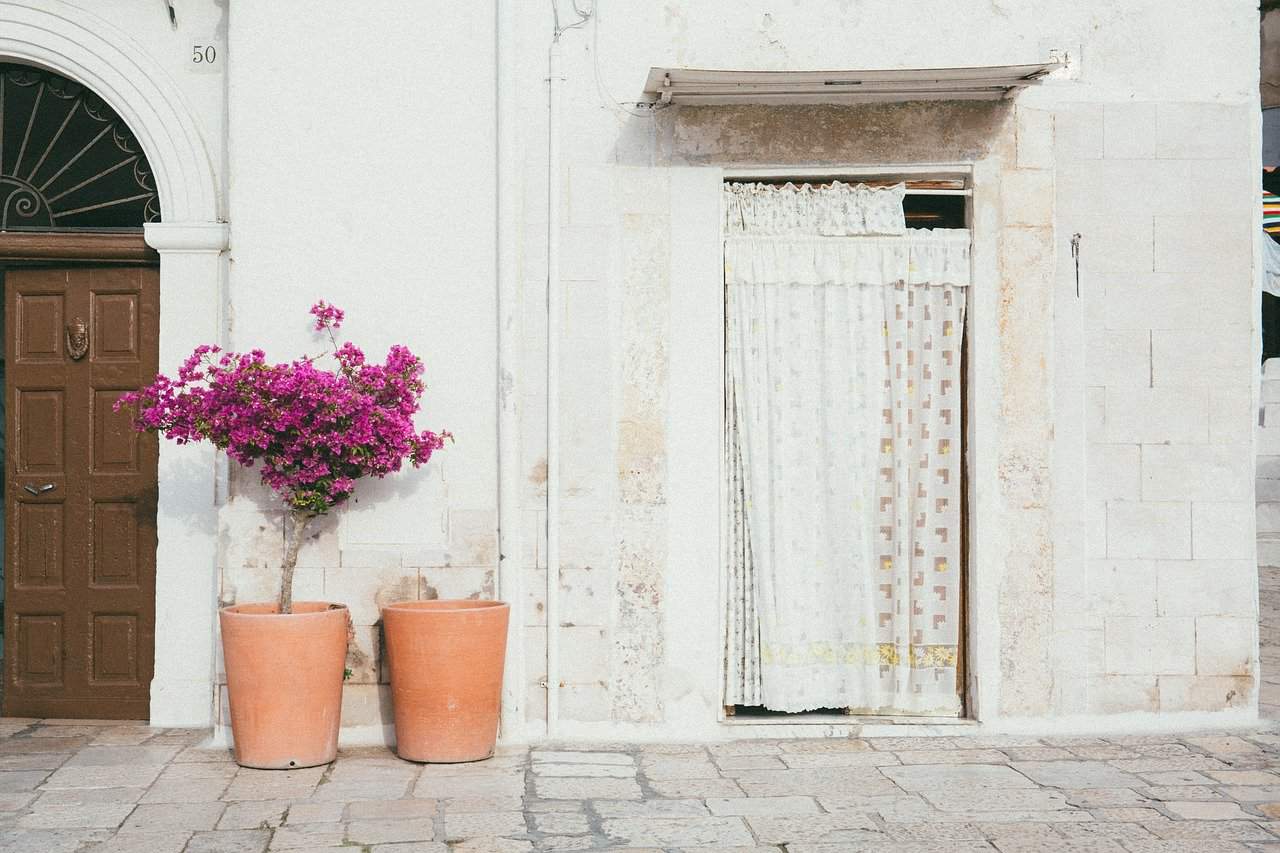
pixel 510 550
pixel 555 78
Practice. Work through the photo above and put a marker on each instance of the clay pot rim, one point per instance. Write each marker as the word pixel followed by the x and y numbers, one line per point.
pixel 446 605
pixel 323 608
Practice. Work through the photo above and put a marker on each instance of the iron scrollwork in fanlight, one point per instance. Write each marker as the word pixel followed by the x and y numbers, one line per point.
pixel 67 160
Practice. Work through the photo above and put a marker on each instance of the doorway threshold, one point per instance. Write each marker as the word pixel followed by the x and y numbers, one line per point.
pixel 822 719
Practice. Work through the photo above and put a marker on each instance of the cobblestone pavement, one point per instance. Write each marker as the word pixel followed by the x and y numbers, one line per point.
pixel 81 786
pixel 1269 640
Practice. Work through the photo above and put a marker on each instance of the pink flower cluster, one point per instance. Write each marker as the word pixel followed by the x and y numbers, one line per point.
pixel 315 431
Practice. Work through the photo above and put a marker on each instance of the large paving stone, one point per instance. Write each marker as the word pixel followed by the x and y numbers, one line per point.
pixel 254 814
pixel 561 823
pixel 174 816
pixel 934 777
pixel 679 768
pixel 695 788
pixel 951 756
pixel 867 758
pixel 1193 810
pixel 554 788
pixel 620 771
pixel 1076 774
pixel 110 776
pixel 21 780
pixel 678 832
pixel 98 815
pixel 505 784
pixel 123 755
pixel 649 808
pixel 151 842
pixel 832 780
pixel 308 836
pixel 847 827
pixel 561 757
pixel 762 806
pixel 273 784
pixel 996 799
pixel 388 831
pixel 484 824
pixel 54 840
pixel 392 809
pixel 229 841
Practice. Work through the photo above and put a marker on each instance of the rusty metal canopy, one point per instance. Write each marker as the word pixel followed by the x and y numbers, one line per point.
pixel 696 86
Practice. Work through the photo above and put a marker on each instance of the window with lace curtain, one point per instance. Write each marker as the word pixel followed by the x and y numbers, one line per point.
pixel 844 332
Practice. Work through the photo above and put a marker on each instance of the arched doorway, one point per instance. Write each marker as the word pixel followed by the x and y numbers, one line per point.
pixel 81 326
pixel 154 102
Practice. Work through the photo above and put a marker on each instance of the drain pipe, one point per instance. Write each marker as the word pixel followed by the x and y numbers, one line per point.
pixel 510 548
pixel 555 78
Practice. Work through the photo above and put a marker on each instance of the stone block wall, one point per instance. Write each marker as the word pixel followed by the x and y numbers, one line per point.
pixel 1158 613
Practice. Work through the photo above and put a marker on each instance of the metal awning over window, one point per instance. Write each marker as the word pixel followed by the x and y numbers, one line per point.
pixel 700 86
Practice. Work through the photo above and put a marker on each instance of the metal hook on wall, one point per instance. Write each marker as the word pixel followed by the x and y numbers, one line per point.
pixel 1075 255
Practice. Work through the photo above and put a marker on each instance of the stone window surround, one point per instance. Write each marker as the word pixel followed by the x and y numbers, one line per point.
pixel 1018 486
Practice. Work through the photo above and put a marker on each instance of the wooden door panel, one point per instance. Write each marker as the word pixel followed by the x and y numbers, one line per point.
pixel 115 649
pixel 39 431
pixel 115 544
pixel 117 446
pixel 115 334
pixel 40 548
pixel 38 326
pixel 37 651
pixel 80 494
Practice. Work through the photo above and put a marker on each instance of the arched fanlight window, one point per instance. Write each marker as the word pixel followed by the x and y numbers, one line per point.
pixel 67 161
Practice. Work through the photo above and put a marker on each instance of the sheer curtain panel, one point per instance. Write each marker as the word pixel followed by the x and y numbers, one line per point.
pixel 843 439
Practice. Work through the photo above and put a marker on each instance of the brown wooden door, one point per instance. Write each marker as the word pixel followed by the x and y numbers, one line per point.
pixel 80 493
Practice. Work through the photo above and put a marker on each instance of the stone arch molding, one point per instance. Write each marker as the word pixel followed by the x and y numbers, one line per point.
pixel 90 50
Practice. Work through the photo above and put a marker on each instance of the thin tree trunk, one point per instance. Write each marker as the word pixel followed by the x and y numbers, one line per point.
pixel 298 522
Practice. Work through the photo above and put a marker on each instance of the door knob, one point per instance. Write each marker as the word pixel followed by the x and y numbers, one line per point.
pixel 40 490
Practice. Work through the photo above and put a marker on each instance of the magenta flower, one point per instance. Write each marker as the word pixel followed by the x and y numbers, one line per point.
pixel 327 316
pixel 315 432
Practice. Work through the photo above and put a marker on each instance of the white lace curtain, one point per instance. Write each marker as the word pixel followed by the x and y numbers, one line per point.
pixel 843 442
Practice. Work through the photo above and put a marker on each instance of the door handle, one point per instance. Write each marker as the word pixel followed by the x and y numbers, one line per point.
pixel 40 490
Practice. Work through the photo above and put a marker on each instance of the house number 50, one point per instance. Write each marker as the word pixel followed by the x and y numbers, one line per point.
pixel 204 56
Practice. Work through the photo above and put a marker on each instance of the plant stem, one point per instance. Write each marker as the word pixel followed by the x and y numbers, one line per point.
pixel 298 521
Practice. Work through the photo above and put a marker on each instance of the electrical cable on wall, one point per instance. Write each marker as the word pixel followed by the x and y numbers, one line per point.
pixel 1075 255
pixel 583 17
pixel 636 109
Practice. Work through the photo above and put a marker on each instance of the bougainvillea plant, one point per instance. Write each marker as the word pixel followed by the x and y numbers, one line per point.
pixel 315 432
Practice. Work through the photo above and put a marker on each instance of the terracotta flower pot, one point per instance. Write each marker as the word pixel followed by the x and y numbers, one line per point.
pixel 446 662
pixel 284 680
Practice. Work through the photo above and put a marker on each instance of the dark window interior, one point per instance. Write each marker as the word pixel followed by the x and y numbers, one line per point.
pixel 934 211
pixel 67 161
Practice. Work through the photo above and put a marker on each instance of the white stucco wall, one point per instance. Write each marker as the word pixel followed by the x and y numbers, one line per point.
pixel 353 154
pixel 362 150
pixel 1112 572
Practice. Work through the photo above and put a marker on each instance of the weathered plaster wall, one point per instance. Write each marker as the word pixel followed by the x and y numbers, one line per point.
pixel 362 150
pixel 1110 434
